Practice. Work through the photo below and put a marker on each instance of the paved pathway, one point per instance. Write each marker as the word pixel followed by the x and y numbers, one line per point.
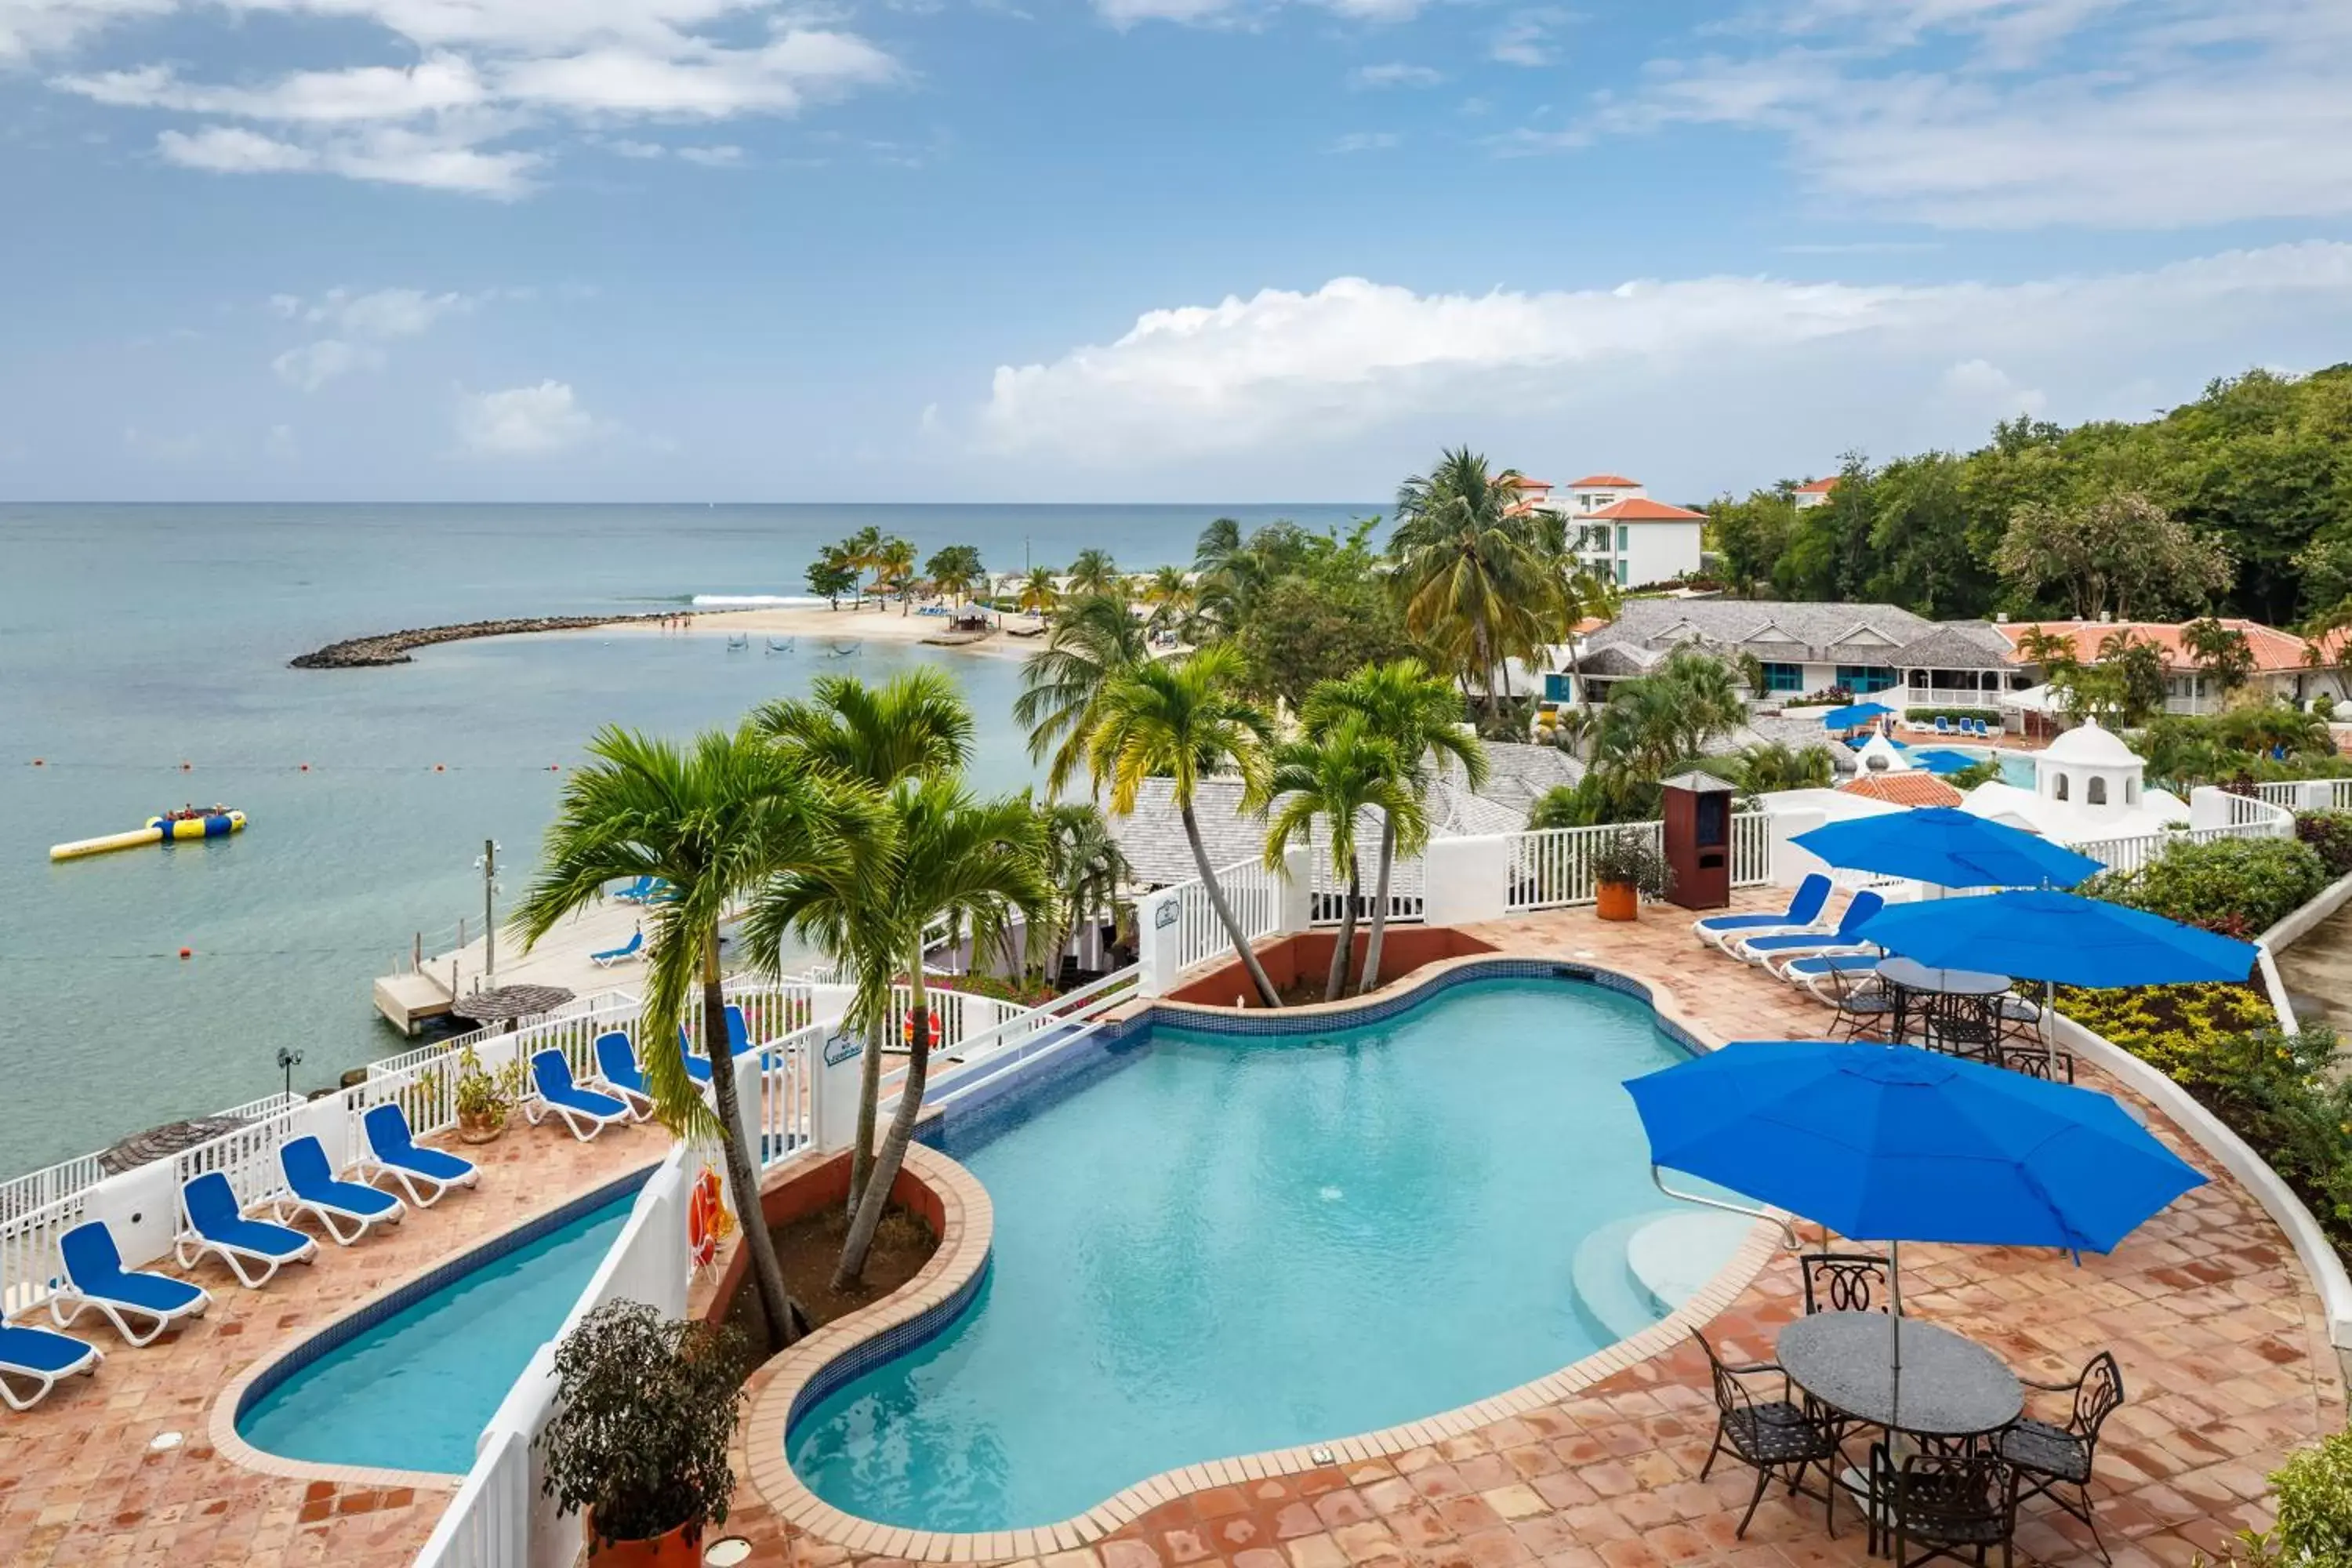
pixel 2318 969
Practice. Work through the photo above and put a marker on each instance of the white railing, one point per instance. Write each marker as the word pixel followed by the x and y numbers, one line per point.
pixel 488 1524
pixel 1751 850
pixel 785 1107
pixel 1552 867
pixel 2295 795
pixel 1328 890
pixel 954 1015
pixel 2133 853
pixel 1253 892
pixel 1058 1023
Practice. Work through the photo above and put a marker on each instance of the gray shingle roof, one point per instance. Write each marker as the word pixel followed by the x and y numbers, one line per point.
pixel 1771 627
pixel 1958 644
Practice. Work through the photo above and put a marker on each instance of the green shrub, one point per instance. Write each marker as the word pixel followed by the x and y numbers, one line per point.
pixel 2323 708
pixel 2315 1504
pixel 2239 887
pixel 2281 1094
pixel 2329 834
pixel 2167 1027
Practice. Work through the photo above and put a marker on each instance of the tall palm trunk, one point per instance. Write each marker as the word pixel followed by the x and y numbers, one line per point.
pixel 893 1154
pixel 870 1097
pixel 1336 983
pixel 1265 991
pixel 742 1178
pixel 1486 667
pixel 1380 908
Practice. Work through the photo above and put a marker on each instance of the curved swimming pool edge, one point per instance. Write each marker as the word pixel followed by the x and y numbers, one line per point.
pixel 931 1302
pixel 267 1371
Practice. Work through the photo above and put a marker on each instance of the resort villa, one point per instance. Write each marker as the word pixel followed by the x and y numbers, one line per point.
pixel 1813 493
pixel 2282 662
pixel 1622 535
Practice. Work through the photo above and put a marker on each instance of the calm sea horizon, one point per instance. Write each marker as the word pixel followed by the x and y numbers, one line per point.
pixel 137 638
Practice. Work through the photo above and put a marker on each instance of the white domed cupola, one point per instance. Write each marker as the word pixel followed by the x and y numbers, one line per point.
pixel 2091 769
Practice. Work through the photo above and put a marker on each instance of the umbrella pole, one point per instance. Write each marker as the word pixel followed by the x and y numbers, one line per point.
pixel 1895 1324
pixel 2048 1034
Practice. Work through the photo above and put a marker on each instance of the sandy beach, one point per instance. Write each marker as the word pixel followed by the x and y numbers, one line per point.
pixel 874 623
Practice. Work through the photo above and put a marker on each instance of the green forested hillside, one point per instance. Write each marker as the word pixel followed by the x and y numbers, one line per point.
pixel 2261 466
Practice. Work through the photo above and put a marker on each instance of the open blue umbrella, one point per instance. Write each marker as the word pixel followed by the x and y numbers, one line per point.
pixel 1860 713
pixel 2060 937
pixel 1949 847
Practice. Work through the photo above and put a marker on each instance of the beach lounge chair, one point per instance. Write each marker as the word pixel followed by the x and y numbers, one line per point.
pixel 254 1249
pixel 1942 727
pixel 635 893
pixel 621 955
pixel 94 1277
pixel 1984 731
pixel 739 1040
pixel 347 1210
pixel 1804 907
pixel 1847 936
pixel 1821 975
pixel 584 1111
pixel 425 1175
pixel 617 1072
pixel 42 1357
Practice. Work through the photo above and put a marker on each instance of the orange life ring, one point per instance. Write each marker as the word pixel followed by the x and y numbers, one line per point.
pixel 907 1027
pixel 706 1219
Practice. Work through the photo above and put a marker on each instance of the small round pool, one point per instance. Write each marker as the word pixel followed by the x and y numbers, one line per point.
pixel 1211 1244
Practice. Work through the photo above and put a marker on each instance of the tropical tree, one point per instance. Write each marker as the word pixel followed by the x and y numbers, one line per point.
pixel 915 725
pixel 713 821
pixel 1039 593
pixel 956 569
pixel 1419 716
pixel 2219 652
pixel 1472 587
pixel 863 551
pixel 1170 594
pixel 1086 866
pixel 1183 720
pixel 832 575
pixel 968 863
pixel 894 568
pixel 1334 777
pixel 1094 642
pixel 1094 572
pixel 2123 553
pixel 1770 765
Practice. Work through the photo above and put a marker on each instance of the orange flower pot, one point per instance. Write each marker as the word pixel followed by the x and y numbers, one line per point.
pixel 680 1548
pixel 1618 902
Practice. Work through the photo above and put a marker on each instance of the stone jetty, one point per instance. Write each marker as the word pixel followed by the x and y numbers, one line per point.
pixel 392 648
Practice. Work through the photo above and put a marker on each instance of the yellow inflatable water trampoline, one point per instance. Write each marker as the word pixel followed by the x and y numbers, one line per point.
pixel 173 827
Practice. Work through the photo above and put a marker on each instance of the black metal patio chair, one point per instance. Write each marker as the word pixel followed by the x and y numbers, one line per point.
pixel 1781 1439
pixel 1960 1505
pixel 2054 1460
pixel 1866 1004
pixel 1846 1282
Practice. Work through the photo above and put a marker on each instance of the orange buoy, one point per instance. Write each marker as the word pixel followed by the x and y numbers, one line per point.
pixel 187 952
pixel 38 762
pixel 306 767
pixel 439 769
pixel 185 765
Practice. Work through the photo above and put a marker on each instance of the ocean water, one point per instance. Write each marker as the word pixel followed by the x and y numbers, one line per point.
pixel 1225 1244
pixel 133 640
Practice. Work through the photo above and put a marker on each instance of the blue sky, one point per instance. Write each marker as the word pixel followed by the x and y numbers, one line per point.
pixel 1132 249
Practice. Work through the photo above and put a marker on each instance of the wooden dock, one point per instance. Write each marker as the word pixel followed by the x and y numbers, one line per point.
pixel 410 996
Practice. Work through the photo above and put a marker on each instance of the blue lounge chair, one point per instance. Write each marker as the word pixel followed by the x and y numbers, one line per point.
pixel 42 1357
pixel 739 1040
pixel 1941 727
pixel 1848 934
pixel 215 1224
pixel 584 1111
pixel 94 1277
pixel 425 1175
pixel 312 1189
pixel 1804 907
pixel 621 955
pixel 1984 732
pixel 1820 973
pixel 635 893
pixel 617 1072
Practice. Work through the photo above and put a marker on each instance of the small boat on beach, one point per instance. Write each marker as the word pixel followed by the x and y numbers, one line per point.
pixel 171 827
pixel 784 646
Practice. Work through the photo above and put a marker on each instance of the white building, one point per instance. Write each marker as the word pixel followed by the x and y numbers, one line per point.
pixel 1623 535
pixel 1813 493
pixel 2087 784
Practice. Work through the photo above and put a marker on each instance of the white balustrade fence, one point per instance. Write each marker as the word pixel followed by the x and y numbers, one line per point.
pixel 1751 850
pixel 785 1110
pixel 1552 868
pixel 1253 892
pixel 1328 903
pixel 488 1524
pixel 2309 794
pixel 2247 817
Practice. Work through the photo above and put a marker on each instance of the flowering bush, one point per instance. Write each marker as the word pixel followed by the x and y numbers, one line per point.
pixel 2329 834
pixel 2239 887
pixel 2167 1027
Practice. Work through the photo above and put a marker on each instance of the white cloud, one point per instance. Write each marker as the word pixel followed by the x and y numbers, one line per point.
pixel 387 154
pixel 700 82
pixel 720 157
pixel 1366 141
pixel 314 364
pixel 438 84
pixel 228 150
pixel 1525 38
pixel 1396 73
pixel 2178 113
pixel 524 421
pixel 1984 388
pixel 645 150
pixel 1283 367
pixel 30 27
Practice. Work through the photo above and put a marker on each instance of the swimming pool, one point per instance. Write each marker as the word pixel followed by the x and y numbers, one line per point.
pixel 1208 1244
pixel 2016 768
pixel 413 1389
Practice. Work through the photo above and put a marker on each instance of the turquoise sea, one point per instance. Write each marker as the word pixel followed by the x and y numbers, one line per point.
pixel 133 640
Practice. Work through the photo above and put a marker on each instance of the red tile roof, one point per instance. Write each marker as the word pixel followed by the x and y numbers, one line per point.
pixel 2274 649
pixel 1818 486
pixel 1524 483
pixel 1903 789
pixel 1642 510
pixel 1606 482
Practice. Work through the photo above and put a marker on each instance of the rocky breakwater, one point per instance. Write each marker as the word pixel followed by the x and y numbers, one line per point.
pixel 392 648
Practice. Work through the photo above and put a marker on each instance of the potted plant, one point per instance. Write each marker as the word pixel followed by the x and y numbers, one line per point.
pixel 646 1406
pixel 485 1098
pixel 1625 868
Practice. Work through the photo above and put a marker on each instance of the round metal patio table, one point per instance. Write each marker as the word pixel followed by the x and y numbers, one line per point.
pixel 1949 1386
pixel 1910 977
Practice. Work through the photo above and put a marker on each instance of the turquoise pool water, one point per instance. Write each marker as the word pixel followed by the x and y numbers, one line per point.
pixel 2015 767
pixel 414 1392
pixel 1217 1245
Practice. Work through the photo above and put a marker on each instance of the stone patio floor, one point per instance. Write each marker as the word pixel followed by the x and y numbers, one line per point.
pixel 2223 1350
pixel 78 1483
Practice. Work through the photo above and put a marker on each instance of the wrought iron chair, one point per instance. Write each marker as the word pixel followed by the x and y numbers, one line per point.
pixel 2018 1015
pixel 1963 1032
pixel 1781 1438
pixel 2035 1060
pixel 1846 1282
pixel 2050 1456
pixel 1866 1004
pixel 1961 1505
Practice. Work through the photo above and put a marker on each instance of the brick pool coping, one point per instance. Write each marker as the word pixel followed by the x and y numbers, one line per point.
pixel 929 1302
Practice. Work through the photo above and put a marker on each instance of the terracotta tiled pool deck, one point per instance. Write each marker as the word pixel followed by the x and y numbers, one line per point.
pixel 78 1483
pixel 2220 1338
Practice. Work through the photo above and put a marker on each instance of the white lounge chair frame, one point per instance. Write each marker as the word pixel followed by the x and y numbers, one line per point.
pixel 189 1246
pixel 85 1367
pixel 113 1308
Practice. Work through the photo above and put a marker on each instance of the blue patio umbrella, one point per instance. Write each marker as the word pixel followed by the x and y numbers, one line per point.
pixel 1890 1143
pixel 1949 847
pixel 1860 713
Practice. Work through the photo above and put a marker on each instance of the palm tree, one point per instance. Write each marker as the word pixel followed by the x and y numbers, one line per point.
pixel 894 567
pixel 712 821
pixel 1470 584
pixel 1094 572
pixel 1088 868
pixel 1344 770
pixel 1770 765
pixel 1170 595
pixel 1418 715
pixel 2219 652
pixel 970 863
pixel 955 569
pixel 1093 643
pixel 861 550
pixel 1183 720
pixel 917 724
pixel 1039 594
